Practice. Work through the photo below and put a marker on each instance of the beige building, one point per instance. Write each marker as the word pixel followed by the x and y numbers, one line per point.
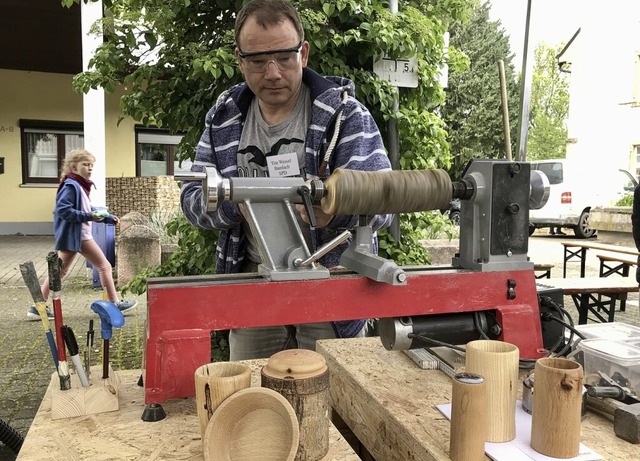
pixel 603 58
pixel 42 118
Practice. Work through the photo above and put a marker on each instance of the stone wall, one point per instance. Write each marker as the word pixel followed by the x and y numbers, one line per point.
pixel 613 225
pixel 441 251
pixel 142 194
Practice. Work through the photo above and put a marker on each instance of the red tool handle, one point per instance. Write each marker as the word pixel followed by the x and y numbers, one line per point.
pixel 55 284
pixel 57 312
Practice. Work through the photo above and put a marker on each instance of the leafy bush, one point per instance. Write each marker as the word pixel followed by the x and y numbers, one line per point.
pixel 627 200
pixel 172 60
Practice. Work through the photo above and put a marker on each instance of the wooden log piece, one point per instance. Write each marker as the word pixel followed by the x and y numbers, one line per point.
pixel 302 377
pixel 557 405
pixel 374 192
pixel 468 418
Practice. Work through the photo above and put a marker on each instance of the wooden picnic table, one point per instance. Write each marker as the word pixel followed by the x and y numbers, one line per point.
pixel 574 249
pixel 590 294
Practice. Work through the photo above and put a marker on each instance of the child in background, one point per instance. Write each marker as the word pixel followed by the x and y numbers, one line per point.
pixel 73 216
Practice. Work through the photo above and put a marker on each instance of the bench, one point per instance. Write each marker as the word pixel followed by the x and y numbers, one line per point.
pixel 612 263
pixel 578 250
pixel 589 293
pixel 544 270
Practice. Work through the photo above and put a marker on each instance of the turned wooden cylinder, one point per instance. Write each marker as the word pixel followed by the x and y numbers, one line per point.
pixel 498 363
pixel 302 377
pixel 468 418
pixel 555 421
pixel 214 383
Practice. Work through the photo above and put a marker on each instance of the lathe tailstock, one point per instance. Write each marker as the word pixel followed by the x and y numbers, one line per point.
pixel 488 289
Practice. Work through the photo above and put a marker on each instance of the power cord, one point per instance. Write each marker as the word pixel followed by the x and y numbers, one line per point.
pixel 426 339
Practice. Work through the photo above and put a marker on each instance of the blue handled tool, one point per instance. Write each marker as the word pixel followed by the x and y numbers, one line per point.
pixel 110 316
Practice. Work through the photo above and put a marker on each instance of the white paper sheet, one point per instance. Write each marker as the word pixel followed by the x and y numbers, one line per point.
pixel 520 447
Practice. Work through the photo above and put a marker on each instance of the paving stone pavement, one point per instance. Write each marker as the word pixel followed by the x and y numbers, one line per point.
pixel 26 365
pixel 25 361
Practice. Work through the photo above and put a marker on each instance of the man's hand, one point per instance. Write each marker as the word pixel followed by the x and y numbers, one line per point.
pixel 322 218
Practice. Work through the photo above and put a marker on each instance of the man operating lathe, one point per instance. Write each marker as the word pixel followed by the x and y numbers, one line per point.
pixel 283 112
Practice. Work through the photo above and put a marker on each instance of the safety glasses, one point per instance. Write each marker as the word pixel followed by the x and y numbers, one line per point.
pixel 258 61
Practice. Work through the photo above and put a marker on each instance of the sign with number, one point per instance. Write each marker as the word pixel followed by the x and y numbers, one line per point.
pixel 398 72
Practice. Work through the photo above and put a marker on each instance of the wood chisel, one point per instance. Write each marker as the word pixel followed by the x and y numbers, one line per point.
pixel 87 353
pixel 72 345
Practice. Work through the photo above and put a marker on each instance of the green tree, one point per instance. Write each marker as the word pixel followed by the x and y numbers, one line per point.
pixel 549 107
pixel 473 106
pixel 175 57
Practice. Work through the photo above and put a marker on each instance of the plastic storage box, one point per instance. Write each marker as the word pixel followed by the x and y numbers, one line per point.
pixel 619 361
pixel 616 331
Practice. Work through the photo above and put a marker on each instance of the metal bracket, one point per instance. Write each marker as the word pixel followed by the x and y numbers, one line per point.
pixel 359 258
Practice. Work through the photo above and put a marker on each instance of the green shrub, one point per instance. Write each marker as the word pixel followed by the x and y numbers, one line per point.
pixel 627 200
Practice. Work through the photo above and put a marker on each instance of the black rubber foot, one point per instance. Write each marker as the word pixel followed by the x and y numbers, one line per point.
pixel 153 412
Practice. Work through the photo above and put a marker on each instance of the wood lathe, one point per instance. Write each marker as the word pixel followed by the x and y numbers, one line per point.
pixel 489 289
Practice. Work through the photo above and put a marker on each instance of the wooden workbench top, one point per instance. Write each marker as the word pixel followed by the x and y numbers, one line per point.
pixel 389 403
pixel 122 435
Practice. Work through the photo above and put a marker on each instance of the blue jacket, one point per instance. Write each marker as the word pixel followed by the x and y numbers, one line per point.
pixel 68 216
pixel 359 147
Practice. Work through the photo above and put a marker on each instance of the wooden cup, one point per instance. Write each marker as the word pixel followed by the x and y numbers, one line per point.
pixel 468 418
pixel 497 362
pixel 214 383
pixel 555 420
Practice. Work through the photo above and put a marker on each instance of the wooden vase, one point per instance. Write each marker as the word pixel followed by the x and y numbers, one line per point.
pixel 468 418
pixel 555 423
pixel 214 383
pixel 497 362
pixel 302 377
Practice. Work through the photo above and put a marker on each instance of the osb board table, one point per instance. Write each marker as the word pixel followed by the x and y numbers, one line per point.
pixel 122 435
pixel 390 405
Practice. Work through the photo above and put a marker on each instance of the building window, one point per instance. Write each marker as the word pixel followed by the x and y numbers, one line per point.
pixel 44 145
pixel 636 82
pixel 636 151
pixel 156 153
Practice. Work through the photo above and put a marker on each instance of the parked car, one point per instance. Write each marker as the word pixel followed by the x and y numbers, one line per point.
pixel 453 211
pixel 574 190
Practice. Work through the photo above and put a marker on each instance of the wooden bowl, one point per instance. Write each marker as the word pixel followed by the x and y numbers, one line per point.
pixel 253 424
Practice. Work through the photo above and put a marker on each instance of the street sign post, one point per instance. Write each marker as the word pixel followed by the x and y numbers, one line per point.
pixel 399 72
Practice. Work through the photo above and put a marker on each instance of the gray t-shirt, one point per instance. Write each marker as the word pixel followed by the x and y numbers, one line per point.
pixel 261 143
